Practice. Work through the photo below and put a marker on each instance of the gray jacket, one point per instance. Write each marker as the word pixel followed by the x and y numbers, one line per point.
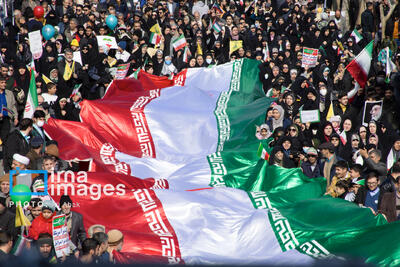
pixel 11 105
pixel 379 167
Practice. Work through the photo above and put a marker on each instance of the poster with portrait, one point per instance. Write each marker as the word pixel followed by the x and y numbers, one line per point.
pixel 372 111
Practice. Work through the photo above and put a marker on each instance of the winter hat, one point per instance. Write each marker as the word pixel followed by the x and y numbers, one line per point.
pixel 36 141
pixel 355 137
pixel 65 199
pixel 336 118
pixel 38 186
pixel 312 151
pixel 327 145
pixel 52 150
pixel 114 237
pixel 122 44
pixel 21 159
pixel 74 42
pixel 45 240
pixel 48 205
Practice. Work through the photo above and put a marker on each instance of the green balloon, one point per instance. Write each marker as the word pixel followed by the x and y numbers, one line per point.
pixel 21 188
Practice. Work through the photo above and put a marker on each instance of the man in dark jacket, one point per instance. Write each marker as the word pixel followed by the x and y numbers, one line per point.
pixel 343 108
pixel 17 142
pixel 38 122
pixel 377 198
pixel 390 182
pixel 330 158
pixel 6 244
pixel 311 168
pixel 373 162
pixel 7 219
pixel 10 114
pixel 367 19
pixel 74 219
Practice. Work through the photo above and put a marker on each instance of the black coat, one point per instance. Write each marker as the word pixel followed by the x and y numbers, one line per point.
pixel 7 222
pixel 367 21
pixel 77 233
pixel 15 143
pixel 386 201
pixel 306 167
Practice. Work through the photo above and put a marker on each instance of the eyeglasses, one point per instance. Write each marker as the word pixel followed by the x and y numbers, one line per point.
pixel 363 131
pixel 312 156
pixel 373 183
pixel 292 130
pixel 356 140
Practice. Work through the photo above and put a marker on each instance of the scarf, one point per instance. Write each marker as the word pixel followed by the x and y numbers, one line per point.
pixel 68 70
pixel 235 37
pixel 343 137
pixel 327 170
pixel 278 122
pixel 343 107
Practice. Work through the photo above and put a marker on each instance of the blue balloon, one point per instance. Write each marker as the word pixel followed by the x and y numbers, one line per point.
pixel 48 31
pixel 111 21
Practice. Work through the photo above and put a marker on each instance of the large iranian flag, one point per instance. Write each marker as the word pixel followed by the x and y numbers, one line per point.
pixel 196 134
pixel 359 67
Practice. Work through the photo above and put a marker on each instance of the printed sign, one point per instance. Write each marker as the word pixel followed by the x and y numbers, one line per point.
pixel 77 57
pixel 108 41
pixel 35 44
pixel 372 111
pixel 122 70
pixel 310 57
pixel 60 236
pixel 309 116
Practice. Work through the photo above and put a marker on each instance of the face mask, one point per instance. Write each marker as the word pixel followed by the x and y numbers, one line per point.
pixel 9 73
pixel 323 91
pixel 208 60
pixel 54 80
pixel 168 62
pixel 257 25
pixel 380 80
pixel 334 47
pixel 40 123
pixel 314 131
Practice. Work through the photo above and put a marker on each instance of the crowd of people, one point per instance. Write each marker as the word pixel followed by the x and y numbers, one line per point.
pixel 358 158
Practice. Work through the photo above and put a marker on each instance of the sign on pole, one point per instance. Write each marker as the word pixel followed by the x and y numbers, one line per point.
pixel 309 116
pixel 35 44
pixel 122 70
pixel 310 57
pixel 60 236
